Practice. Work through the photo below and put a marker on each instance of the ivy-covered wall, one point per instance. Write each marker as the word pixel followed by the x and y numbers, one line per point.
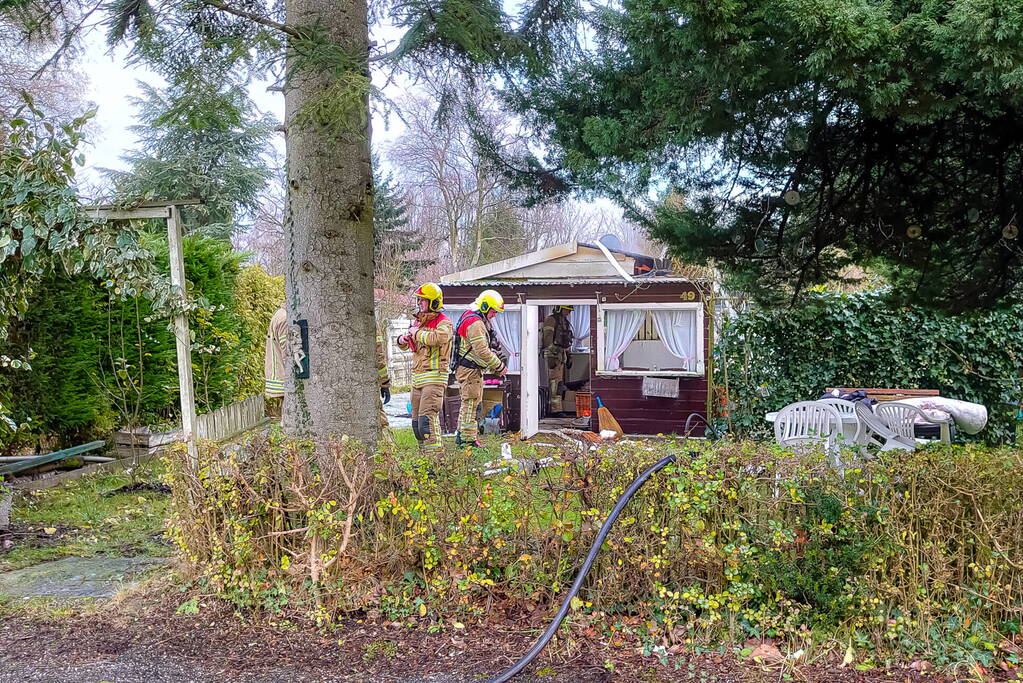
pixel 101 363
pixel 767 358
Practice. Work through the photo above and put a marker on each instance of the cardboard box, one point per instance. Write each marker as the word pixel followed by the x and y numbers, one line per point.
pixel 568 401
pixel 492 397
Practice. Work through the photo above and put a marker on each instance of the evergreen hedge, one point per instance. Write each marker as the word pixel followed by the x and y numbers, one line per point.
pixel 101 363
pixel 258 295
pixel 767 358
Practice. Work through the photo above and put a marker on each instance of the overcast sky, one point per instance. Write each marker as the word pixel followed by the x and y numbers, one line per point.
pixel 112 82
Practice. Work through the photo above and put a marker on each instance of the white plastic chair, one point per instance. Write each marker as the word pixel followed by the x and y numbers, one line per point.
pixel 808 422
pixel 902 418
pixel 847 408
pixel 877 431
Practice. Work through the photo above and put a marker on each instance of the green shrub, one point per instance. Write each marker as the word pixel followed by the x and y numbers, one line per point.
pixel 101 362
pixel 740 540
pixel 767 358
pixel 140 362
pixel 257 297
pixel 212 268
pixel 66 326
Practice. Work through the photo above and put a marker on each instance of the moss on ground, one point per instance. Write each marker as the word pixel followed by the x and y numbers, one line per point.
pixel 85 518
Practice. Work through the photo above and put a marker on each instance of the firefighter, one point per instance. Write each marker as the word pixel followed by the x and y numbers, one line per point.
pixel 477 351
pixel 274 362
pixel 430 340
pixel 557 339
pixel 385 390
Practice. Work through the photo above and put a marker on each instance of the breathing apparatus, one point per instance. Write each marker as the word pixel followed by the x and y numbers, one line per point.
pixel 605 528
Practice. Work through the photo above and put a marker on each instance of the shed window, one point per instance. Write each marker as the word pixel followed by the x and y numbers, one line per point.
pixel 507 325
pixel 650 339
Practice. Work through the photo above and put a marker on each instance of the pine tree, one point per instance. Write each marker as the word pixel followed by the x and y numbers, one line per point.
pixel 393 241
pixel 800 137
pixel 198 139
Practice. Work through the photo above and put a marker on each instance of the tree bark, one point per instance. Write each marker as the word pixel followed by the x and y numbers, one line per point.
pixel 329 242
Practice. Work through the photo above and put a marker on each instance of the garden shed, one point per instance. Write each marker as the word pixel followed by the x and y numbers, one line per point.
pixel 641 336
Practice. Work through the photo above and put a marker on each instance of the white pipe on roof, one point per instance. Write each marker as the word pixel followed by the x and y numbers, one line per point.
pixel 613 262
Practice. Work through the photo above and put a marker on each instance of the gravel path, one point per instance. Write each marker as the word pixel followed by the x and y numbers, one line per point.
pixel 398 416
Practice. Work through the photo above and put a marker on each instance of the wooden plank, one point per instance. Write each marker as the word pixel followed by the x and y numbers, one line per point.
pixel 496 269
pixel 890 394
pixel 156 203
pixel 708 354
pixel 57 480
pixel 529 405
pixel 560 269
pixel 51 457
pixel 129 214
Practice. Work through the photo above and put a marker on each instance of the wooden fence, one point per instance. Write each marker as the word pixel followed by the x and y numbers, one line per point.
pixel 222 423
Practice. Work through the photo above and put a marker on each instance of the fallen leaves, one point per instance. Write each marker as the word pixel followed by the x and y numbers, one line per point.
pixel 764 652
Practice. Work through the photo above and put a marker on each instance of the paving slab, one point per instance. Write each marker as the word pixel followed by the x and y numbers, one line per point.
pixel 78 577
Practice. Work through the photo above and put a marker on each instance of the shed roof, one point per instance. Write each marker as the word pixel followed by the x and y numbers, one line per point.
pixel 572 262
pixel 640 281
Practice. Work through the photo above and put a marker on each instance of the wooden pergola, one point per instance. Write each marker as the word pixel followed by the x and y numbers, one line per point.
pixel 169 211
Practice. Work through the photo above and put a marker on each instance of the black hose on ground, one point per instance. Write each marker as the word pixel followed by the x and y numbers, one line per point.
pixel 540 644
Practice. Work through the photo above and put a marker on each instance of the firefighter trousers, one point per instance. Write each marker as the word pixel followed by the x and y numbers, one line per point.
pixel 557 359
pixel 426 402
pixel 470 390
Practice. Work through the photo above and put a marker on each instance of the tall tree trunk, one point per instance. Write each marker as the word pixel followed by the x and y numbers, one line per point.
pixel 329 239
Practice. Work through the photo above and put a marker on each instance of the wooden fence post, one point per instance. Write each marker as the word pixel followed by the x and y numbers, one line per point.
pixel 182 335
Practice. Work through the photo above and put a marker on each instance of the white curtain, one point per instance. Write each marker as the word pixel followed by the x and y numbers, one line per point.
pixel 579 319
pixel 677 330
pixel 620 327
pixel 508 326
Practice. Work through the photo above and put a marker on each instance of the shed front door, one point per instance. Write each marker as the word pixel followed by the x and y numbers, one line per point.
pixel 529 407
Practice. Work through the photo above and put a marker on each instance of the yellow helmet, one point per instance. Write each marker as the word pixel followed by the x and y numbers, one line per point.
pixel 566 307
pixel 431 292
pixel 489 299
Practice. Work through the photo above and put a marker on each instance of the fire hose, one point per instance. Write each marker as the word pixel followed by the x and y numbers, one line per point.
pixel 605 528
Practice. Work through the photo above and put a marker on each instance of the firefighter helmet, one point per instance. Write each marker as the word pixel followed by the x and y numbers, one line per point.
pixel 487 300
pixel 431 292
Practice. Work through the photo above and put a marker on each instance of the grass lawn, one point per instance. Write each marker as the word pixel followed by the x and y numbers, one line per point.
pixel 406 441
pixel 84 518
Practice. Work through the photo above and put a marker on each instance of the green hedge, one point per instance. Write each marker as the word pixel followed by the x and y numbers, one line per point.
pixel 102 362
pixel 219 346
pixel 767 358
pixel 914 552
pixel 66 326
pixel 258 296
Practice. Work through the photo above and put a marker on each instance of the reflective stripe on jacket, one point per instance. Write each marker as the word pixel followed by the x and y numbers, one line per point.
pixel 431 350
